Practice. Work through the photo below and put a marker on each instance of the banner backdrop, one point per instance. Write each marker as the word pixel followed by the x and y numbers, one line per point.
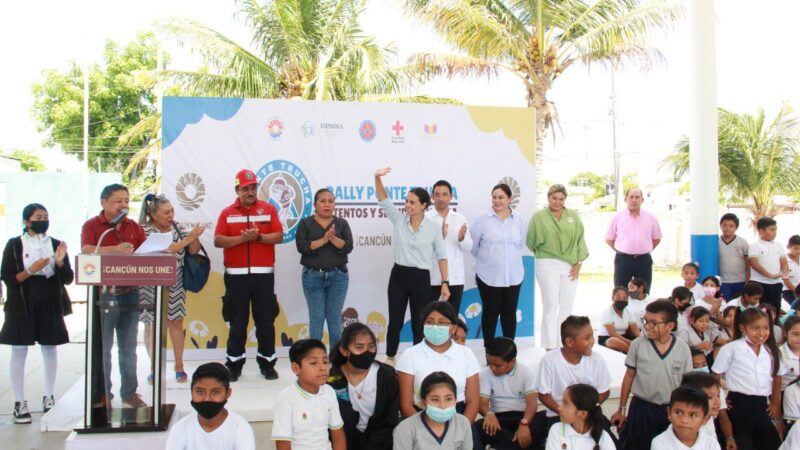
pixel 297 147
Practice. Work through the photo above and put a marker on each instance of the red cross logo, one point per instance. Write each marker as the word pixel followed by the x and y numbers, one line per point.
pixel 397 128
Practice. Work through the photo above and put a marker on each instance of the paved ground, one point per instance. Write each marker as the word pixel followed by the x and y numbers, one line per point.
pixel 593 295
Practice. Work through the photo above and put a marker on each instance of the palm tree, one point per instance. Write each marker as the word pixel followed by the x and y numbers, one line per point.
pixel 537 40
pixel 303 49
pixel 758 158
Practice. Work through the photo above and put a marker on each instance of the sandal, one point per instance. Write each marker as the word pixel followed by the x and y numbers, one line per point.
pixel 181 376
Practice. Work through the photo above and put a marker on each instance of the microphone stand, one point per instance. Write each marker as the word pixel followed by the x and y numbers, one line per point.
pixel 102 236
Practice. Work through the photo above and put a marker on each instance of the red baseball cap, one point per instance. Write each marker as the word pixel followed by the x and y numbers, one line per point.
pixel 245 178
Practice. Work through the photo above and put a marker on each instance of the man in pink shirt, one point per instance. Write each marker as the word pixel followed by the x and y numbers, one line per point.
pixel 633 234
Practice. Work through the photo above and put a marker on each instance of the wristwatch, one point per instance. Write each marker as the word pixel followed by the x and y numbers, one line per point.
pixel 445 282
pixel 524 422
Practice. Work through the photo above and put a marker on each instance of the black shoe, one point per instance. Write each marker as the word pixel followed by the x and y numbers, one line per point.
pixel 21 413
pixel 48 403
pixel 269 373
pixel 235 375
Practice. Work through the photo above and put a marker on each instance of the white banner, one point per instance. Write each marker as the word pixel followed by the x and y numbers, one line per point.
pixel 297 147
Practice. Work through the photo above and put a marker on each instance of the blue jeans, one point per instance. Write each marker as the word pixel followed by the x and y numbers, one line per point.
pixel 325 293
pixel 731 291
pixel 120 314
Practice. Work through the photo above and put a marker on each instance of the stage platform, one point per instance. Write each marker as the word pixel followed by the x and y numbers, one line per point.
pixel 253 396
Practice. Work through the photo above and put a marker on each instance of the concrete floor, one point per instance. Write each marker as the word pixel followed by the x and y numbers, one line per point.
pixel 592 297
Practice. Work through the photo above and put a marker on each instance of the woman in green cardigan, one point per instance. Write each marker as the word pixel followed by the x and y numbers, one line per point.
pixel 555 236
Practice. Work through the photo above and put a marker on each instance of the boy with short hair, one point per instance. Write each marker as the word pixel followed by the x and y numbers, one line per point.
pixel 768 263
pixel 688 412
pixel 573 363
pixel 699 361
pixel 719 425
pixel 734 266
pixel 308 409
pixel 656 362
pixel 211 426
pixel 508 398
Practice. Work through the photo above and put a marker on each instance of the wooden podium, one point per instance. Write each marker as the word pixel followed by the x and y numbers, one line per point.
pixel 112 282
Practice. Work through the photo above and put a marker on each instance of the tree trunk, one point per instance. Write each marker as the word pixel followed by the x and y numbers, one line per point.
pixel 537 99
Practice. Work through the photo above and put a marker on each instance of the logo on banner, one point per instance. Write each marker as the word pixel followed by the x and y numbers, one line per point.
pixel 430 131
pixel 331 128
pixel 89 269
pixel 397 133
pixel 367 131
pixel 191 191
pixel 275 128
pixel 285 186
pixel 515 191
pixel 307 129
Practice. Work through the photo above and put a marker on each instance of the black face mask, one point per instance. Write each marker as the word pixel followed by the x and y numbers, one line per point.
pixel 684 307
pixel 633 294
pixel 619 305
pixel 362 361
pixel 208 410
pixel 40 226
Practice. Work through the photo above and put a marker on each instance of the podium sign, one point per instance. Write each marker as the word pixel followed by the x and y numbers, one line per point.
pixel 114 309
pixel 126 270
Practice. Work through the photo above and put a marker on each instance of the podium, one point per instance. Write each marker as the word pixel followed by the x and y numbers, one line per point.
pixel 112 317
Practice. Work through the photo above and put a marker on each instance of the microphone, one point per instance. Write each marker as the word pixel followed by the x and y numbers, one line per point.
pixel 118 218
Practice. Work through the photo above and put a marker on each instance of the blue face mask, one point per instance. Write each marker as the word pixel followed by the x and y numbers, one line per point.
pixel 440 415
pixel 703 369
pixel 437 334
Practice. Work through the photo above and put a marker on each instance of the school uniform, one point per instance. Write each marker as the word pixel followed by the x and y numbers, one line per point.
pixel 794 279
pixel 234 434
pixel 732 268
pixel 368 417
pixel 507 396
pixel 562 436
pixel 668 441
pixel 556 374
pixel 657 375
pixel 792 441
pixel 421 360
pixel 749 382
pixel 769 254
pixel 790 385
pixel 620 322
pixel 712 428
pixel 305 418
pixel 637 308
pixel 413 433
pixel 693 337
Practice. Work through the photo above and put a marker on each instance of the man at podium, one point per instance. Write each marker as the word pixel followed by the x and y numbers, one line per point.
pixel 247 231
pixel 119 305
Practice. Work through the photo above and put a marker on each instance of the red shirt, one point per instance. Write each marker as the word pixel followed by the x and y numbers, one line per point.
pixel 128 231
pixel 236 218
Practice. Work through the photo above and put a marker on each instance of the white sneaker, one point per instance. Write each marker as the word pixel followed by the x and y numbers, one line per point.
pixel 21 413
pixel 48 403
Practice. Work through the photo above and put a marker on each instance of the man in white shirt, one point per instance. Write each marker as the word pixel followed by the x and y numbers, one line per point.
pixel 212 426
pixel 456 240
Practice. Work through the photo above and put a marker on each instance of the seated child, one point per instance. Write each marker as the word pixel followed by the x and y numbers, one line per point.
pixel 699 363
pixel 307 410
pixel 573 363
pixel 212 425
pixel 656 363
pixel 777 331
pixel 618 326
pixel 508 398
pixel 437 425
pixel 698 334
pixel 638 298
pixel 719 424
pixel 790 383
pixel 582 422
pixel 460 336
pixel 751 296
pixel 690 272
pixel 688 412
pixel 683 300
pixel 726 329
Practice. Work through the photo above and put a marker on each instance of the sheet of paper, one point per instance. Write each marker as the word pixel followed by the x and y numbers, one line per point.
pixel 156 242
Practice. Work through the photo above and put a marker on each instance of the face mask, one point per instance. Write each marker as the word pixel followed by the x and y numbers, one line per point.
pixel 40 226
pixel 619 305
pixel 709 291
pixel 362 361
pixel 440 415
pixel 437 334
pixel 684 307
pixel 633 295
pixel 703 369
pixel 207 410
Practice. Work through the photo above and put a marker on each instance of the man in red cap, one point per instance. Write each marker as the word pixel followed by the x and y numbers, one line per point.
pixel 247 231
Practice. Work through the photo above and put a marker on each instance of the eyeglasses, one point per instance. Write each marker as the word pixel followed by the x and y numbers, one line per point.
pixel 651 323
pixel 441 324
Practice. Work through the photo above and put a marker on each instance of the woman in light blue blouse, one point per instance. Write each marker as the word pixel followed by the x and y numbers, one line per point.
pixel 417 242
pixel 498 242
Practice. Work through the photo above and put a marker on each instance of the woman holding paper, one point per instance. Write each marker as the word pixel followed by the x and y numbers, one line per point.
pixel 158 216
pixel 35 269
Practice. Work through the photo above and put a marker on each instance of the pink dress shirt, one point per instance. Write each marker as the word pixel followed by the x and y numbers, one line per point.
pixel 633 236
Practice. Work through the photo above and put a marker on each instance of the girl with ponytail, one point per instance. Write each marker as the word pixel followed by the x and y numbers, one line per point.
pixel 582 422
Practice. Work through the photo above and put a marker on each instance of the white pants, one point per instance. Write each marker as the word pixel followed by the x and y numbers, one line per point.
pixel 558 296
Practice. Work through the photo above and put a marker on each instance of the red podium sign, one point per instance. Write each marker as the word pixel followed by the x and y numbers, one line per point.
pixel 125 270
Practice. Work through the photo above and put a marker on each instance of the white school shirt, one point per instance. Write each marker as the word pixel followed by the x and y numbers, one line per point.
pixel 745 372
pixel 368 391
pixel 556 375
pixel 692 337
pixel 563 436
pixel 508 392
pixel 792 441
pixel 794 272
pixel 610 317
pixel 791 390
pixel 455 249
pixel 683 321
pixel 769 255
pixel 305 418
pixel 698 293
pixel 637 307
pixel 668 441
pixel 421 360
pixel 234 434
pixel 35 248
